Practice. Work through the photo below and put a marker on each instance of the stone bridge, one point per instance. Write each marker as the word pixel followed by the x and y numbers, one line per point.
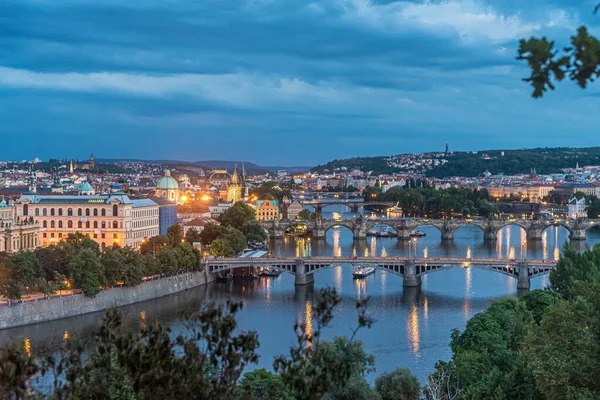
pixel 490 227
pixel 410 269
pixel 355 204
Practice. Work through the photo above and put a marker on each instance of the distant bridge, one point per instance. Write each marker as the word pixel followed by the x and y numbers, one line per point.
pixel 411 269
pixel 403 227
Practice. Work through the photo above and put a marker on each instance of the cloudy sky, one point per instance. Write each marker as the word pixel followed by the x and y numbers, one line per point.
pixel 288 82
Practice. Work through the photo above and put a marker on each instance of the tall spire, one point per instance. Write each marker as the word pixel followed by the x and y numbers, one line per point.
pixel 235 180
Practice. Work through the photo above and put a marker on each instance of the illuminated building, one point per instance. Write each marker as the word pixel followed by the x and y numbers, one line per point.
pixel 267 210
pixel 167 187
pixel 16 234
pixel 234 188
pixel 108 219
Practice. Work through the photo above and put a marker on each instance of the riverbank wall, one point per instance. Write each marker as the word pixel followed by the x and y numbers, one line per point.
pixel 19 314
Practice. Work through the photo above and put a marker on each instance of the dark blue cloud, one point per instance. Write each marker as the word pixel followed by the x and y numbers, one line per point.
pixel 265 79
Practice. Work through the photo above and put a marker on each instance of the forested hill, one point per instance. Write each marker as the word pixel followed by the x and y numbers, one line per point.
pixel 544 160
pixel 379 165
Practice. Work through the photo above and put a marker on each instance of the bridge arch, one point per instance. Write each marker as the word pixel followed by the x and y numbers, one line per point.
pixel 558 224
pixel 470 225
pixel 373 225
pixel 343 224
pixel 413 226
pixel 508 270
pixel 509 223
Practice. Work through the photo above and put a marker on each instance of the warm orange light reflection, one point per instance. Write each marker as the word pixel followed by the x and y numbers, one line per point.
pixel 413 330
pixel 27 344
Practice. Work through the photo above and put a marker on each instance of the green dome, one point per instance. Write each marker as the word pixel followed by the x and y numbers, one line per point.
pixel 85 187
pixel 167 182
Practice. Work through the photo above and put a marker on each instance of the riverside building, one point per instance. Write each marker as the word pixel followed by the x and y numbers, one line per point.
pixel 16 234
pixel 108 219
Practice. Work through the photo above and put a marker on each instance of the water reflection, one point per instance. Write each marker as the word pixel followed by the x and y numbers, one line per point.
pixel 413 330
pixel 308 330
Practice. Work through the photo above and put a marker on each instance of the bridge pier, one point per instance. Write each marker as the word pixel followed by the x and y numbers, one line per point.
pixel 490 235
pixel 403 234
pixel 578 234
pixel 447 234
pixel 534 234
pixel 410 278
pixel 302 278
pixel 523 279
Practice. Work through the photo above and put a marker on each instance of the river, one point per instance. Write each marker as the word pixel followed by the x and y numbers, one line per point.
pixel 412 327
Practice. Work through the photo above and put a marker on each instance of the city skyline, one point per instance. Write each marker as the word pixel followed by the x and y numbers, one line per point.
pixel 284 83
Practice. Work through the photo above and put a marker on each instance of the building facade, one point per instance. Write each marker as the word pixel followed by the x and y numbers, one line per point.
pixel 577 208
pixel 16 234
pixel 145 222
pixel 219 208
pixel 167 214
pixel 293 209
pixel 267 210
pixel 108 219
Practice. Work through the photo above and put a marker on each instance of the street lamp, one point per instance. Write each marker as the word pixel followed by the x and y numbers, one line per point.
pixel 524 250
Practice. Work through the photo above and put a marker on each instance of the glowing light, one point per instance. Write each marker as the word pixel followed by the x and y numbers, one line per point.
pixel 184 198
pixel 308 330
pixel 205 197
pixel 27 344
pixel 66 335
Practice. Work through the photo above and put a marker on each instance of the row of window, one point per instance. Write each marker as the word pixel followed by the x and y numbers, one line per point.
pixel 146 222
pixel 115 224
pixel 145 213
pixel 80 211
pixel 60 235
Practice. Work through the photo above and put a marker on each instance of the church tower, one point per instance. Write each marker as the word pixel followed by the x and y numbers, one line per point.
pixel 234 189
pixel 244 184
pixel 71 169
pixel 92 165
pixel 57 186
pixel 32 187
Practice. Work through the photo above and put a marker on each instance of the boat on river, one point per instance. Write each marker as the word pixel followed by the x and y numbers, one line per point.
pixel 417 233
pixel 269 272
pixel 382 231
pixel 362 272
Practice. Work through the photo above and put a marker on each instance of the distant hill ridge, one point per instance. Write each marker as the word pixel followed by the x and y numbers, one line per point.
pixel 212 164
pixel 466 164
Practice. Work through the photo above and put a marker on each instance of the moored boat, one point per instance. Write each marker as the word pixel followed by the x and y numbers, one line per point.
pixel 417 233
pixel 362 272
pixel 270 272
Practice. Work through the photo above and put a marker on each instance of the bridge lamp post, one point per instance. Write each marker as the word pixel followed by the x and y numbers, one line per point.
pixel 524 250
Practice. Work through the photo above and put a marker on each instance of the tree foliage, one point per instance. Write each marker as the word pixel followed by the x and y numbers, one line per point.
pixel 237 215
pixel 579 62
pixel 563 351
pixel 575 267
pixel 87 272
pixel 399 384
pixel 261 385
